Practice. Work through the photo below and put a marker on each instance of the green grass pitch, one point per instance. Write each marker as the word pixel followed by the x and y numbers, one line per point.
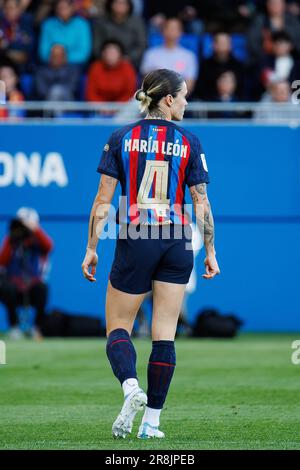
pixel 236 394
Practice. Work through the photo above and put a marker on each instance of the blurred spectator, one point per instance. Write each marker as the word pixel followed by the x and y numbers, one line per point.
pixel 58 80
pixel 119 23
pixel 157 12
pixel 23 3
pixel 16 33
pixel 40 9
pixel 23 257
pixel 171 55
pixel 280 65
pixel 230 15
pixel 293 7
pixel 226 86
pixel 248 8
pixel 9 75
pixel 276 19
pixel 189 17
pixel 112 77
pixel 221 61
pixel 279 94
pixel 226 92
pixel 86 8
pixel 69 30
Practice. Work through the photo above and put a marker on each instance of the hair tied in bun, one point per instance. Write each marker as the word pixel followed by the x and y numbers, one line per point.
pixel 140 95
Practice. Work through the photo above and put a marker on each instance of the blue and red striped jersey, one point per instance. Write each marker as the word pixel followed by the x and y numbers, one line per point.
pixel 154 160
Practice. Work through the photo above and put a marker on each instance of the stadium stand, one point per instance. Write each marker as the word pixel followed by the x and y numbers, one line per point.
pixel 137 24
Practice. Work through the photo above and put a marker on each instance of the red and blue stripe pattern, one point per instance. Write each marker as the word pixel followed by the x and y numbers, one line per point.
pixel 177 181
pixel 130 163
pixel 134 163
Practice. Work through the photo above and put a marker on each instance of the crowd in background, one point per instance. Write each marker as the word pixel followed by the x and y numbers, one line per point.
pixel 99 50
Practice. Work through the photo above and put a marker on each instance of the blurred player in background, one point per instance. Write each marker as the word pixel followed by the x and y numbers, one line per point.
pixel 154 160
pixel 23 258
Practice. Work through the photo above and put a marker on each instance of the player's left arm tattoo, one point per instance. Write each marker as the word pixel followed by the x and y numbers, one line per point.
pixel 204 215
pixel 100 209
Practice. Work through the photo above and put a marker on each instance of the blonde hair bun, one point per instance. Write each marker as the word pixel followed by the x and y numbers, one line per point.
pixel 140 95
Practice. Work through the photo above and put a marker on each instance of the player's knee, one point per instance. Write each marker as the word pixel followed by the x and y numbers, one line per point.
pixel 164 331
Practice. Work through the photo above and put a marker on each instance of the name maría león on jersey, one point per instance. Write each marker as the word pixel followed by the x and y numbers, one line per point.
pixel 156 146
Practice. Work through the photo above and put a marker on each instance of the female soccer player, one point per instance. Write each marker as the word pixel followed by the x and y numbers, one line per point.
pixel 154 160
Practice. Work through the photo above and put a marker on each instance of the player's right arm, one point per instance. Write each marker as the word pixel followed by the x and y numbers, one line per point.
pixel 98 217
pixel 205 223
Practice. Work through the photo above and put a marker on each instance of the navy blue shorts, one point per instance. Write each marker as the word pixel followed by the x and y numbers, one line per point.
pixel 138 262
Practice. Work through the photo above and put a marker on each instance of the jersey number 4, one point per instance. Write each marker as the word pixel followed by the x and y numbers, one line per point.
pixel 156 172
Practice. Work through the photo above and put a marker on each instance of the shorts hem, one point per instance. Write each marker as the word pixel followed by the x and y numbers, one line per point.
pixel 119 286
pixel 170 281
